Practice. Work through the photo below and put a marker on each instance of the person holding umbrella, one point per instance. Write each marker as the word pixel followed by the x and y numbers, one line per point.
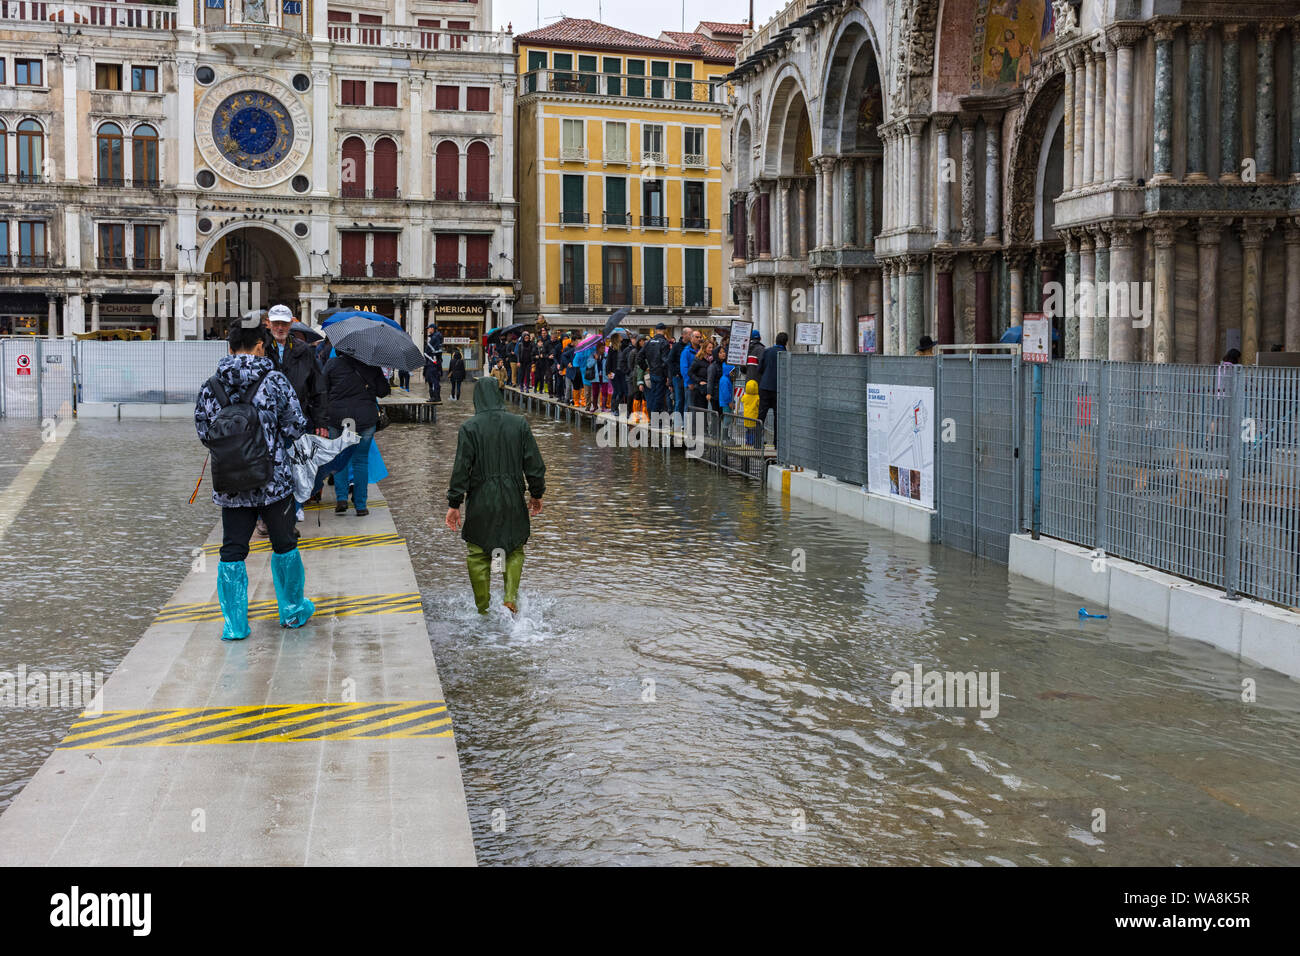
pixel 433 363
pixel 456 373
pixel 496 454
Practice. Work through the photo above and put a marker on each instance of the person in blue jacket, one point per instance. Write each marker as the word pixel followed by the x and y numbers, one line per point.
pixel 593 374
pixel 684 368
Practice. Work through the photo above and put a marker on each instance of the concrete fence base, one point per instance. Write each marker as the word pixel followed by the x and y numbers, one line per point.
pixel 893 514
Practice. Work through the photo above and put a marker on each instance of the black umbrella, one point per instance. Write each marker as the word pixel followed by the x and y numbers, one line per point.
pixel 307 332
pixel 506 330
pixel 375 343
pixel 614 321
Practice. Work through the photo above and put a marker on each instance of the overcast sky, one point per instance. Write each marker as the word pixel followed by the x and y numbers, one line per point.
pixel 639 16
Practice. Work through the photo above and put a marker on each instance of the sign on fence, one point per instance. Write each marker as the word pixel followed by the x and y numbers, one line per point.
pixel 900 442
pixel 808 333
pixel 1036 337
pixel 738 345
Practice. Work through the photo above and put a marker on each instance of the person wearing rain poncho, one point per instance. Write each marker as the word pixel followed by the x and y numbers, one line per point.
pixel 495 454
pixel 247 375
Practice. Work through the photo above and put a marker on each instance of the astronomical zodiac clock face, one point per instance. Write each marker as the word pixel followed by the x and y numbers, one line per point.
pixel 252 130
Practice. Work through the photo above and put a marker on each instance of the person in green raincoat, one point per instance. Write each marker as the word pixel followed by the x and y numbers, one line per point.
pixel 495 453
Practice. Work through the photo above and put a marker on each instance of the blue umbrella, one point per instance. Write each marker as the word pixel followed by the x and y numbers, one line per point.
pixel 359 314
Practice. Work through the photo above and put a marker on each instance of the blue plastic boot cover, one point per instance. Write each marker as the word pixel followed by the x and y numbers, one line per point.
pixel 290 580
pixel 232 592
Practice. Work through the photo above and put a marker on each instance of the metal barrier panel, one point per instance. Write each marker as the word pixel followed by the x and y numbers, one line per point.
pixel 841 421
pixel 783 406
pixel 798 422
pixel 157 371
pixel 1270 482
pixel 1070 442
pixel 955 497
pixel 36 377
pixel 994 452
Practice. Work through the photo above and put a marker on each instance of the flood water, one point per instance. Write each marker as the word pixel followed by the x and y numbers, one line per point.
pixel 702 674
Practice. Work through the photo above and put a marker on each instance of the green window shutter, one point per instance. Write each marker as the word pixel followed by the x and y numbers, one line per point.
pixel 587 64
pixel 683 90
pixel 573 194
pixel 694 263
pixel 613 84
pixel 657 86
pixel 652 276
pixel 635 87
pixel 615 195
pixel 536 63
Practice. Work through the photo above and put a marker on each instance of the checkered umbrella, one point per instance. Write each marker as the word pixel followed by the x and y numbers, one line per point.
pixel 375 343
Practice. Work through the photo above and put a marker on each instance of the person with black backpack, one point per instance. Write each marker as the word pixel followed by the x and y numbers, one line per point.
pixel 248 416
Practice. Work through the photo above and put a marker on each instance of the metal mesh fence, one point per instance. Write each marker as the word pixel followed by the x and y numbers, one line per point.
pixel 1270 483
pixel 956 459
pixel 164 372
pixel 36 377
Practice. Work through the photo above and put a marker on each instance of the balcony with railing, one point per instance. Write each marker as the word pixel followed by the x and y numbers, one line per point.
pixel 760 37
pixel 416 39
pixel 470 195
pixel 624 86
pixel 31 261
pixel 639 297
pixel 141 264
pixel 470 272
pixel 695 222
pixel 573 154
pixel 385 268
pixel 654 222
pixel 654 157
pixel 111 262
pixel 110 182
pixel 615 157
pixel 131 16
pixel 623 219
pixel 695 161
pixel 572 218
pixel 357 191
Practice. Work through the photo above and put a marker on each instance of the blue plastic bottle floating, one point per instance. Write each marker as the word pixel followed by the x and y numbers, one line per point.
pixel 1083 613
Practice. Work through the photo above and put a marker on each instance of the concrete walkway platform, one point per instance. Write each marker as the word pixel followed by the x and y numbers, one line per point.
pixel 326 745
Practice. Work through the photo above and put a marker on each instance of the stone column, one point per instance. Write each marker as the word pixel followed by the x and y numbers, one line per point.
pixel 1229 104
pixel 52 318
pixel 764 221
pixel 869 202
pixel 1108 116
pixel 848 313
pixel 1016 261
pixel 1208 232
pixel 1067 122
pixel 983 263
pixel 992 178
pixel 1087 295
pixel 875 302
pixel 1165 232
pixel 891 311
pixel 745 298
pixel 94 315
pixel 826 306
pixel 803 221
pixel 320 130
pixel 765 313
pixel 942 190
pixel 1099 111
pixel 1100 300
pixel 1163 106
pixel 849 203
pixel 1071 303
pixel 1253 233
pixel 1124 106
pixel 1292 321
pixel 787 225
pixel 828 201
pixel 1047 263
pixel 1076 62
pixel 943 314
pixel 968 179
pixel 781 318
pixel 1089 113
pixel 1120 308
pixel 1196 101
pixel 916 183
pixel 1295 102
pixel 1265 114
pixel 915 303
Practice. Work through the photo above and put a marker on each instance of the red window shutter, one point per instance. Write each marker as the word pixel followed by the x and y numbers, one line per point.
pixel 385 169
pixel 353 260
pixel 476 257
pixel 354 92
pixel 352 172
pixel 448 98
pixel 429 39
pixel 477 168
pixel 342 33
pixel 385 94
pixel 385 261
pixel 476 99
pixel 446 255
pixel 447 165
pixel 370 37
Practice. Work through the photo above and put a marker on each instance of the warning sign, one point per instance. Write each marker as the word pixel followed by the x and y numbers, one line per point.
pixel 24 364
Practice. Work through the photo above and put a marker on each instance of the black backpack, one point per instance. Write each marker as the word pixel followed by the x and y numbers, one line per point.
pixel 241 459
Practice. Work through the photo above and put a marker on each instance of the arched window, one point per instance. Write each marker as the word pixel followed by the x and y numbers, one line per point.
pixel 144 156
pixel 447 171
pixel 385 169
pixel 108 152
pixel 31 152
pixel 352 175
pixel 478 166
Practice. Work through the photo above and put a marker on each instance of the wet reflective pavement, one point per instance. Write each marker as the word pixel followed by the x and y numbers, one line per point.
pixel 674 691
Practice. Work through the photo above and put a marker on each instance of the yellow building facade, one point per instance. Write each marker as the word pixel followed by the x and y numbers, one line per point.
pixel 621 143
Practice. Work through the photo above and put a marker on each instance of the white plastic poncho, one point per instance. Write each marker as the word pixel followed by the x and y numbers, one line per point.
pixel 310 453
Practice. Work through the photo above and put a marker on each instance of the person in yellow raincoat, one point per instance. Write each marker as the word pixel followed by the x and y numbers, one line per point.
pixel 750 401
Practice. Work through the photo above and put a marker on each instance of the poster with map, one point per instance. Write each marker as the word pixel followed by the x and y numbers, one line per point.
pixel 900 442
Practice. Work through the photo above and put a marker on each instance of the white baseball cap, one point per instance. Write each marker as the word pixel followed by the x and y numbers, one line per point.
pixel 279 313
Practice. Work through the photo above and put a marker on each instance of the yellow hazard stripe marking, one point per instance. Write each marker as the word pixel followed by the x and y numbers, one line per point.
pixel 260 724
pixel 342 606
pixel 329 505
pixel 321 544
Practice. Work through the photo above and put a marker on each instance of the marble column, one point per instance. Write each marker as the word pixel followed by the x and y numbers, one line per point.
pixel 828 201
pixel 968 179
pixel 782 318
pixel 1165 232
pixel 1076 62
pixel 1163 105
pixel 1253 233
pixel 765 320
pixel 915 303
pixel 1196 80
pixel 982 262
pixel 944 320
pixel 764 221
pixel 745 298
pixel 848 313
pixel 1089 113
pixel 892 330
pixel 1265 113
pixel 52 317
pixel 826 307
pixel 992 178
pixel 1208 232
pixel 1124 106
pixel 819 227
pixel 1101 299
pixel 1016 285
pixel 1048 259
pixel 875 301
pixel 1121 307
pixel 1108 117
pixel 1070 303
pixel 869 202
pixel 942 188
pixel 94 315
pixel 1229 104
pixel 802 249
pixel 1292 315
pixel 789 245
pixel 1067 123
pixel 1099 112
pixel 1295 102
pixel 849 203
pixel 917 182
pixel 1087 295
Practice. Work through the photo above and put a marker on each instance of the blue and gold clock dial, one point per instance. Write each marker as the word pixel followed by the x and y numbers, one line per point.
pixel 253 130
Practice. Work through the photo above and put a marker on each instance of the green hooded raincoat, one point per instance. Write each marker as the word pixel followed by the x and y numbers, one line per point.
pixel 495 452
